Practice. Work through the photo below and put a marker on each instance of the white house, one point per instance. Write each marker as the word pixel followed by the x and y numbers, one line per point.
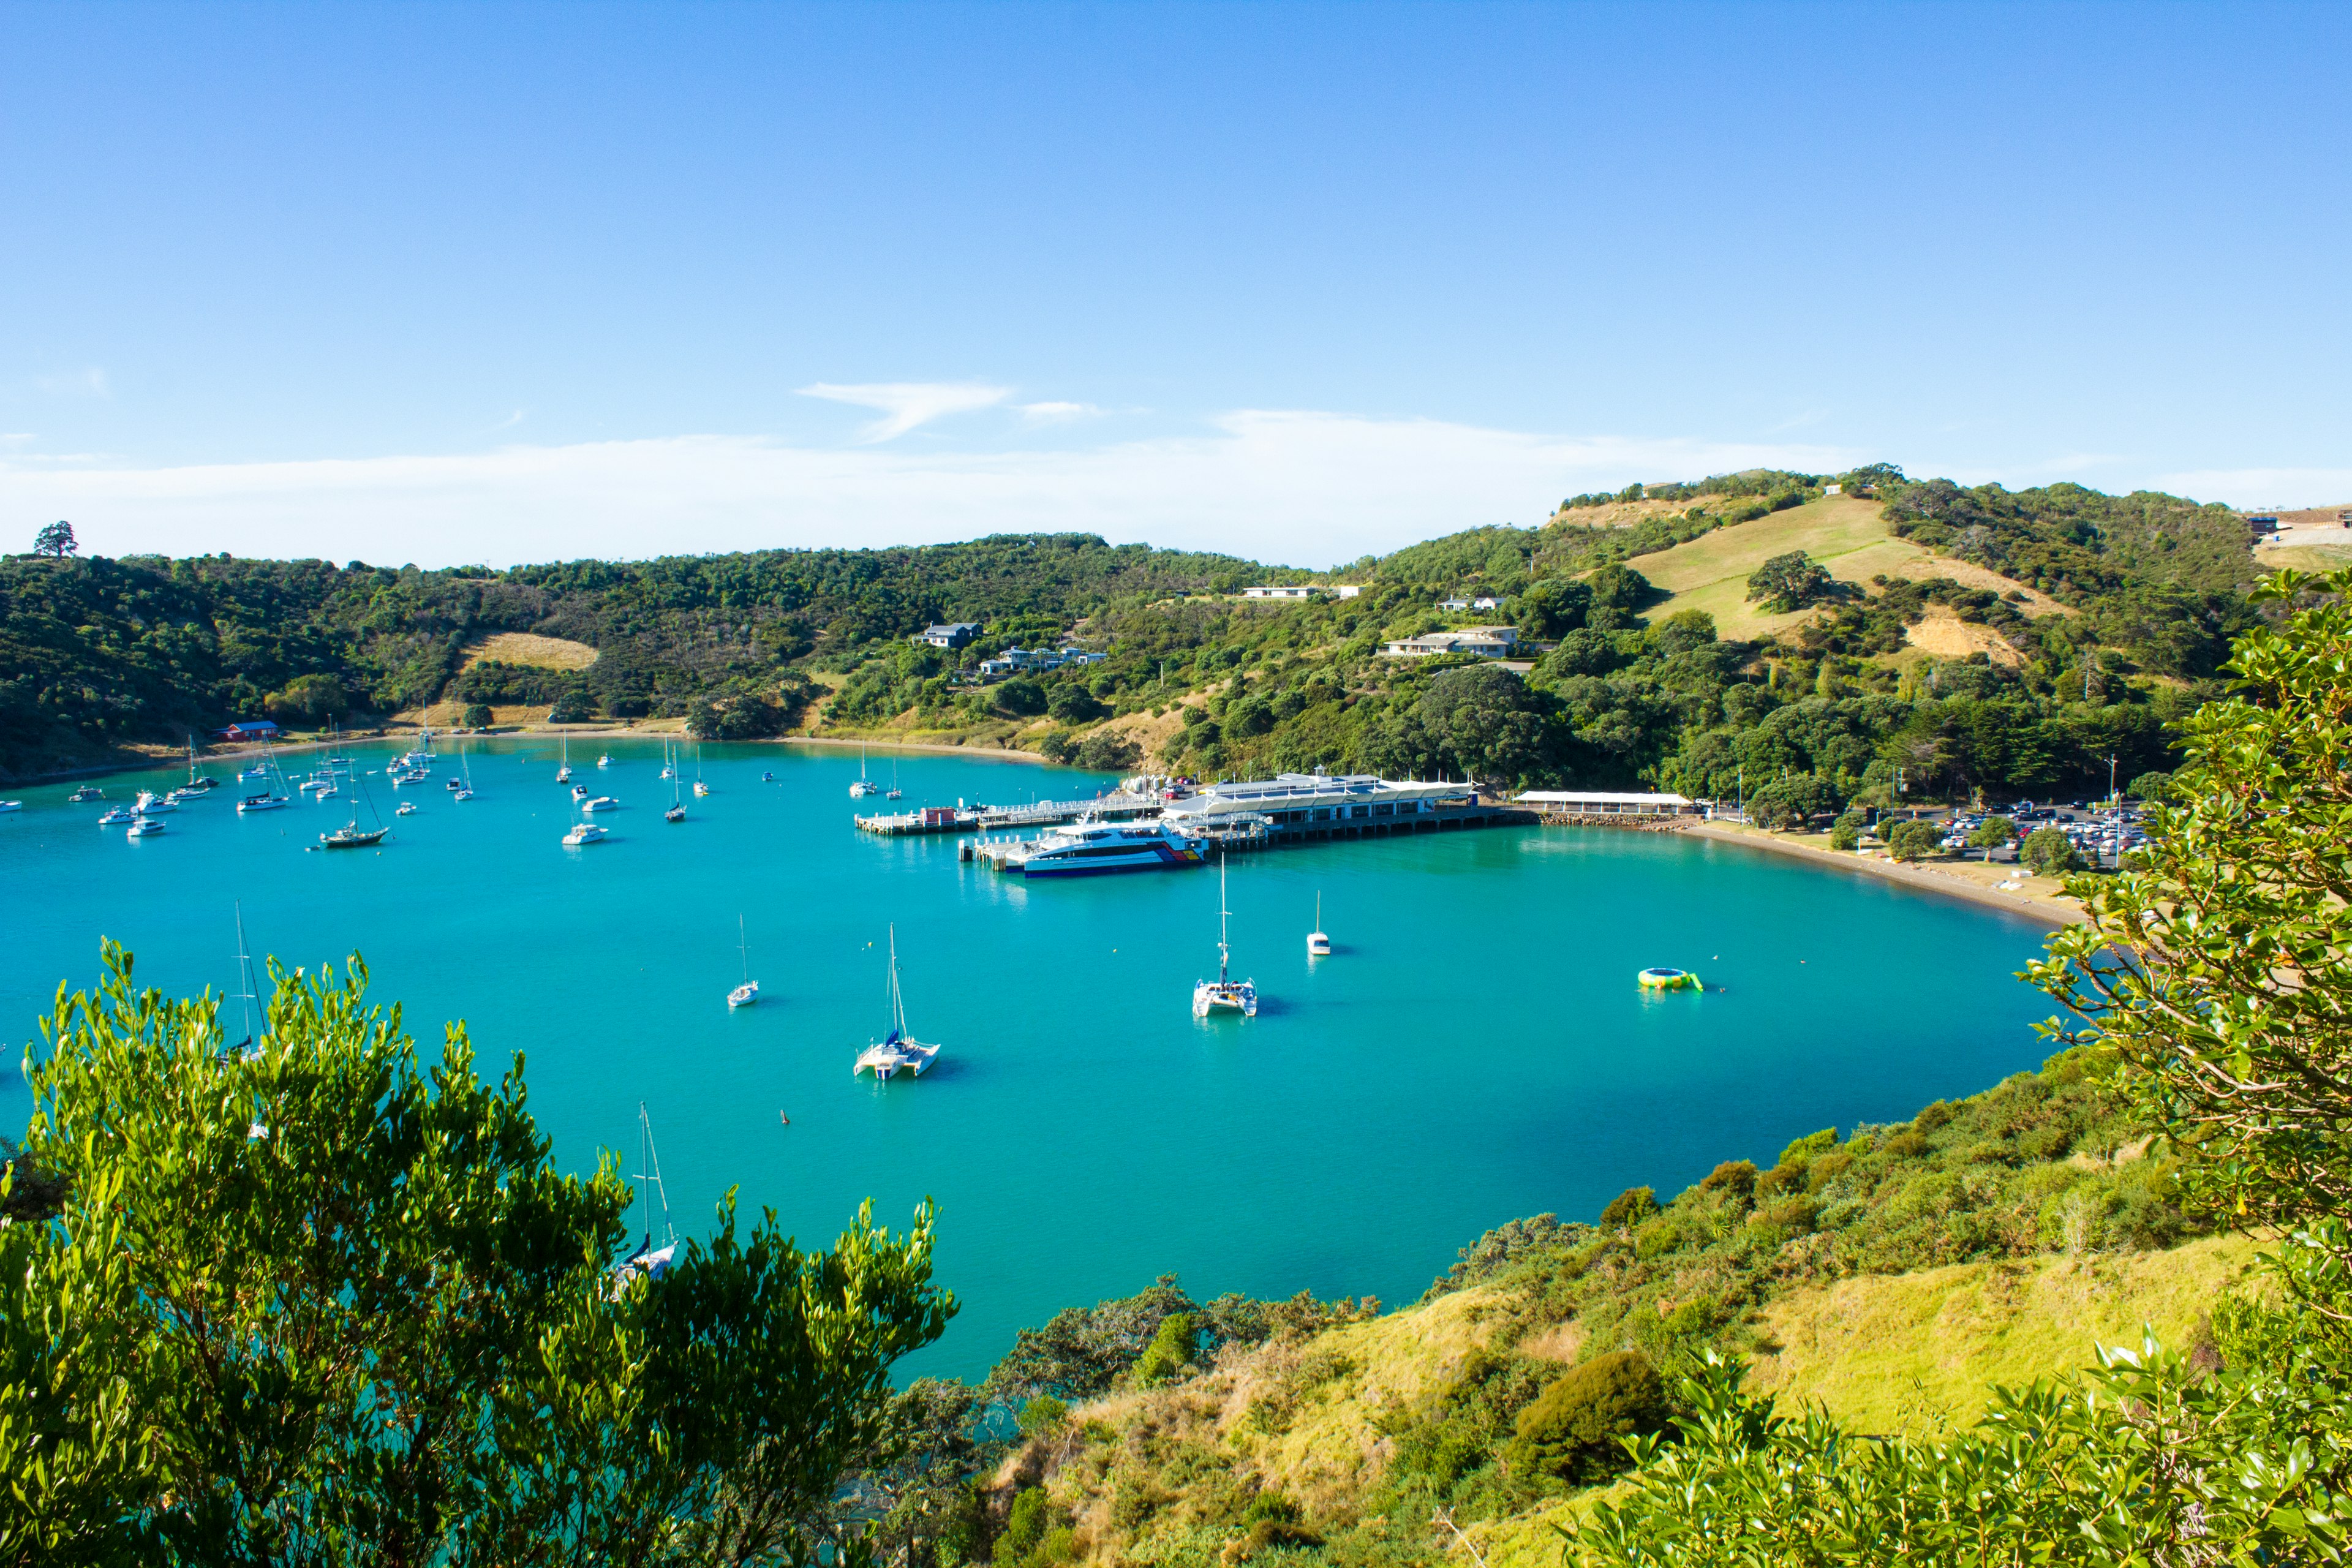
pixel 1487 642
pixel 1456 602
pixel 1346 590
pixel 1485 601
pixel 1291 591
pixel 947 634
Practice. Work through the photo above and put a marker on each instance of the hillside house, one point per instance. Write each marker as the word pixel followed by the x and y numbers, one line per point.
pixel 947 634
pixel 1282 591
pixel 247 730
pixel 1487 642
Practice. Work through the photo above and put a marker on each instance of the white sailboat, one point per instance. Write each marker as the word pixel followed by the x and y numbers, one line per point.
pixel 743 996
pixel 273 795
pixel 676 811
pixel 465 790
pixel 1225 993
pixel 894 792
pixel 563 774
pixel 901 1052
pixel 248 998
pixel 649 1261
pixel 700 789
pixel 863 786
pixel 1318 944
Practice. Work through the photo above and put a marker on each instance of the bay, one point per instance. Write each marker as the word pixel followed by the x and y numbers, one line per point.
pixel 1474 1050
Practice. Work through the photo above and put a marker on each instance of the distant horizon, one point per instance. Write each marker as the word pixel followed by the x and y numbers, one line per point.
pixel 281 521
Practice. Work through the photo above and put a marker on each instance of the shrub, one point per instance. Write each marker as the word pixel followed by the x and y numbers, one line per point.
pixel 1800 1154
pixel 476 717
pixel 2156 784
pixel 1628 1208
pixel 1170 1350
pixel 1107 751
pixel 1073 704
pixel 1733 1176
pixel 1906 1144
pixel 1777 1180
pixel 1572 1430
pixel 1025 1524
pixel 1042 1415
pixel 1846 831
pixel 1795 1215
pixel 1021 697
pixel 575 707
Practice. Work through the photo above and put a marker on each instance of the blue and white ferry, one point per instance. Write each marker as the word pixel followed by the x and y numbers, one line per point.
pixel 1088 848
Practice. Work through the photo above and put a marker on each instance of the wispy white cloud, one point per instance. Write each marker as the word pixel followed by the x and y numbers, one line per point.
pixel 1057 412
pixel 509 422
pixel 904 405
pixel 1285 486
pixel 2288 488
pixel 88 382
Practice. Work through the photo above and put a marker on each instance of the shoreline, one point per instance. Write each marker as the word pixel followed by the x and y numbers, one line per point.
pixel 1928 880
pixel 237 753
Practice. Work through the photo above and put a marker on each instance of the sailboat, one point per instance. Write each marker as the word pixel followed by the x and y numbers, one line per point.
pixel 249 997
pixel 700 789
pixel 900 1052
pixel 273 794
pixel 1318 944
pixel 649 1261
pixel 743 996
pixel 676 811
pixel 894 792
pixel 197 784
pixel 464 791
pixel 863 786
pixel 1223 994
pixel 351 836
pixel 563 774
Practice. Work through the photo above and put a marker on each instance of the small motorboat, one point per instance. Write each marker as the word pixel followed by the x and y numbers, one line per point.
pixel 405 809
pixel 580 792
pixel 700 789
pixel 150 803
pixel 453 784
pixel 601 802
pixel 605 761
pixel 1318 942
pixel 120 813
pixel 767 777
pixel 145 827
pixel 11 806
pixel 585 833
pixel 87 792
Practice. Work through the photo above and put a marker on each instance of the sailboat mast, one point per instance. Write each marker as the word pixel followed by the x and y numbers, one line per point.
pixel 742 947
pixel 650 1158
pixel 246 998
pixel 1222 915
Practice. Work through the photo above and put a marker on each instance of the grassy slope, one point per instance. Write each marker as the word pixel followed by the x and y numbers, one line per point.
pixel 1844 534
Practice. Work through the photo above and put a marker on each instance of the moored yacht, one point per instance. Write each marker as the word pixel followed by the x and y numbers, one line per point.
pixel 145 827
pixel 585 833
pixel 1225 993
pixel 150 803
pixel 1318 944
pixel 117 816
pixel 743 996
pixel 1089 848
pixel 601 802
pixel 87 792
pixel 899 1051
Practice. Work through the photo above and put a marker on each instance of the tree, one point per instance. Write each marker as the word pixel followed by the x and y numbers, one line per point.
pixel 1575 1428
pixel 1618 594
pixel 309 699
pixel 476 716
pixel 321 1303
pixel 2050 853
pixel 2152 785
pixel 57 540
pixel 1073 704
pixel 1790 582
pixel 1993 833
pixel 1914 840
pixel 1488 722
pixel 1552 606
pixel 2216 971
pixel 1021 697
pixel 1845 833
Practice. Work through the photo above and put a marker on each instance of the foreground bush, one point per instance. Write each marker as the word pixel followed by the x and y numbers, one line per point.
pixel 1575 1429
pixel 313 1302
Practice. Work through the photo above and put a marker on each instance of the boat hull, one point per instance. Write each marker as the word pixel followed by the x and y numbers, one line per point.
pixel 1145 858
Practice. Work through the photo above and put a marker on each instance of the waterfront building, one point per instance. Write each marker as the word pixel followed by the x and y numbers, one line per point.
pixel 247 730
pixel 1303 800
pixel 1606 803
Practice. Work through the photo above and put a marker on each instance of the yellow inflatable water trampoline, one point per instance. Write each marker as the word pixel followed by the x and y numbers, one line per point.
pixel 1668 980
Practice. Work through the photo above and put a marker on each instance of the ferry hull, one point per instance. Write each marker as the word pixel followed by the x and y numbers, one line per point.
pixel 1156 858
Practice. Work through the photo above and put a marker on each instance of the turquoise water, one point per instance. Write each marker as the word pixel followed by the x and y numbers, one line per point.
pixel 1474 1050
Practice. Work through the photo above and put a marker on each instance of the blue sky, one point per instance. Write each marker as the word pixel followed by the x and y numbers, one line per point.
pixel 479 282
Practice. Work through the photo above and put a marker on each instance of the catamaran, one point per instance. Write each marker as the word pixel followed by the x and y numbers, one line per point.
pixel 649 1261
pixel 1089 848
pixel 1318 944
pixel 743 996
pixel 862 787
pixel 901 1052
pixel 1225 993
pixel 563 774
